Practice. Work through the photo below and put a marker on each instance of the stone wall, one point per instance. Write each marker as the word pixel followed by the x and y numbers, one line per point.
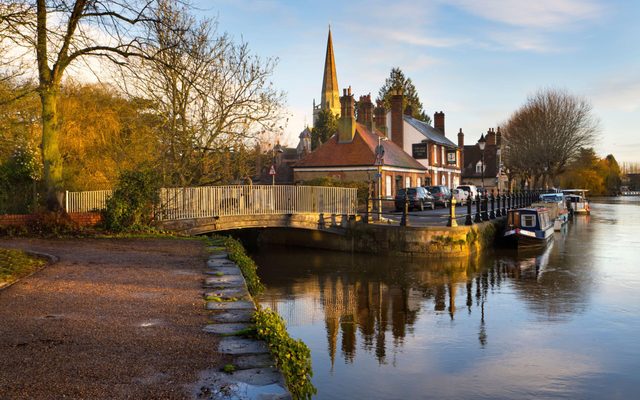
pixel 394 240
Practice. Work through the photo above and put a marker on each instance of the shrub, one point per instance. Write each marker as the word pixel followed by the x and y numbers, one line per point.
pixel 247 266
pixel 131 205
pixel 292 357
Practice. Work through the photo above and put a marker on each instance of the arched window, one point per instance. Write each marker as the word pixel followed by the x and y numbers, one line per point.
pixel 480 167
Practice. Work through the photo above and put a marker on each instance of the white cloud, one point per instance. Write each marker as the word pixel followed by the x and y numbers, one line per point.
pixel 547 14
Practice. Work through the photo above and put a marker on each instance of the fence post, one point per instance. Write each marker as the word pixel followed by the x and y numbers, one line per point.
pixel 66 201
pixel 468 220
pixel 405 212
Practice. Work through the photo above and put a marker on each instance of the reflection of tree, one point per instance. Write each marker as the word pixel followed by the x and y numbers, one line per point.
pixel 374 299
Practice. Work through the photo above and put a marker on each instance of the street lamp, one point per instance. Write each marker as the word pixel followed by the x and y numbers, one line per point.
pixel 380 162
pixel 481 144
pixel 276 149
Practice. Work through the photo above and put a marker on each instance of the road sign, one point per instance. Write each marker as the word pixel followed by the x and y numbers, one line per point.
pixel 272 171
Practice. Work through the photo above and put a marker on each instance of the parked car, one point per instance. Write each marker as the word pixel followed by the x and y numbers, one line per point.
pixel 419 198
pixel 472 190
pixel 461 196
pixel 442 194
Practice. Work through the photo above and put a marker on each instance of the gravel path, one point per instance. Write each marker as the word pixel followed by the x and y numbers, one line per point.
pixel 114 318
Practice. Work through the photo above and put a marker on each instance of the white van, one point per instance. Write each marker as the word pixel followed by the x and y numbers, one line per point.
pixel 472 190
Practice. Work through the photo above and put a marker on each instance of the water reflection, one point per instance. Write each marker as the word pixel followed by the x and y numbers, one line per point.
pixel 462 324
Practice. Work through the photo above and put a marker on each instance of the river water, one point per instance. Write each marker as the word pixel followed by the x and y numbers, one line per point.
pixel 563 322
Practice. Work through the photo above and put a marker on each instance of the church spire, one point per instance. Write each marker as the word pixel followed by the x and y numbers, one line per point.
pixel 330 96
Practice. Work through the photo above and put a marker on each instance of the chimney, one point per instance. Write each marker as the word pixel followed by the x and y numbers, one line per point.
pixel 438 122
pixel 397 120
pixel 347 121
pixel 461 148
pixel 380 117
pixel 498 138
pixel 365 111
pixel 491 137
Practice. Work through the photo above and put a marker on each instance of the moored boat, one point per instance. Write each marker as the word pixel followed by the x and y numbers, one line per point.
pixel 557 207
pixel 528 227
pixel 577 201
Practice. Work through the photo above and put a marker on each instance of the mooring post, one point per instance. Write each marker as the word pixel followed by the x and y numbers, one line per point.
pixel 492 214
pixel 485 206
pixel 498 209
pixel 367 213
pixel 452 213
pixel 504 203
pixel 468 220
pixel 478 217
pixel 405 211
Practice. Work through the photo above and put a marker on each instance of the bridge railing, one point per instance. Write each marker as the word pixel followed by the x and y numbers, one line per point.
pixel 217 201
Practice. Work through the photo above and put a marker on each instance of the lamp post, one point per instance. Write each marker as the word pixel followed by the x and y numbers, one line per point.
pixel 379 163
pixel 276 149
pixel 481 144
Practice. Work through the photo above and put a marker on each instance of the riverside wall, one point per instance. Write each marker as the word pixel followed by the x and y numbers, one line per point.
pixel 393 240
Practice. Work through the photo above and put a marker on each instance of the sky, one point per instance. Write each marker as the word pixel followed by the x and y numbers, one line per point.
pixel 477 61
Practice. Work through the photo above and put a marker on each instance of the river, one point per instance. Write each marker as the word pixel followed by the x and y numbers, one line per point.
pixel 558 323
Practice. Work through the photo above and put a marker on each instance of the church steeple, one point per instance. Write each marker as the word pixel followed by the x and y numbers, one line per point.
pixel 330 96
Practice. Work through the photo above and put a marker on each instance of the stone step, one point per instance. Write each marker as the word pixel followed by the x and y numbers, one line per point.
pixel 230 316
pixel 253 361
pixel 226 294
pixel 220 271
pixel 227 329
pixel 219 256
pixel 231 305
pixel 237 345
pixel 229 280
pixel 218 262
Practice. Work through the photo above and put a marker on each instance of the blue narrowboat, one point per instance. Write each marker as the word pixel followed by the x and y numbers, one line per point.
pixel 528 227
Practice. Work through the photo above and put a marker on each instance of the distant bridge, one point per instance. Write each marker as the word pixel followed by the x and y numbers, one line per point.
pixel 631 193
pixel 197 210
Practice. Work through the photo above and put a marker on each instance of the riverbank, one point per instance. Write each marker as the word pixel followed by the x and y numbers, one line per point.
pixel 114 318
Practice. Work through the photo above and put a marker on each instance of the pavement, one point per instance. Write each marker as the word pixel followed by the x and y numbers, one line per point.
pixel 113 319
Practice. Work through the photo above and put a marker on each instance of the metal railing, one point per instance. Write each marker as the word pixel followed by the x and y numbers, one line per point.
pixel 86 201
pixel 218 201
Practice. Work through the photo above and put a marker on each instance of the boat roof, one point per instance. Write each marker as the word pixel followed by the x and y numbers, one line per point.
pixel 529 209
pixel 575 190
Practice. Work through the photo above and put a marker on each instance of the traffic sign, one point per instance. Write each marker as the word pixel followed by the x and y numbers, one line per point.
pixel 272 171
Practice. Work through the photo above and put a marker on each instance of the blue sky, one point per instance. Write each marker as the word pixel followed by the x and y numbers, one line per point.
pixel 476 60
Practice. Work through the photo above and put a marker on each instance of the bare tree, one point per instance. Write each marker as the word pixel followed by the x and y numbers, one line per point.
pixel 60 33
pixel 213 96
pixel 546 133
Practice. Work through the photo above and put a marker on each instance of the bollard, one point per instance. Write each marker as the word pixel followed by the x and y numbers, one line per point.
pixel 492 213
pixel 478 217
pixel 405 211
pixel 504 204
pixel 452 213
pixel 368 218
pixel 468 220
pixel 485 207
pixel 498 209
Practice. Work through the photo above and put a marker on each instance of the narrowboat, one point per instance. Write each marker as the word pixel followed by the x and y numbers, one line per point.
pixel 528 227
pixel 577 201
pixel 555 204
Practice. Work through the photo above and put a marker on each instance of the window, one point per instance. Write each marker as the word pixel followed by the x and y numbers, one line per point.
pixel 418 181
pixel 480 167
pixel 407 181
pixel 444 180
pixel 387 186
pixel 528 221
pixel 442 159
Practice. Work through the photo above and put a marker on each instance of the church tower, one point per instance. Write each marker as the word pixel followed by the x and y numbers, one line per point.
pixel 330 95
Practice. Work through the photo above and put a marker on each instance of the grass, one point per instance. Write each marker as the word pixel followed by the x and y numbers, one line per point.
pixel 15 264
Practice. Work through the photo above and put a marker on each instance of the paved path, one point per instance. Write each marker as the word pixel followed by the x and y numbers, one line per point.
pixel 114 318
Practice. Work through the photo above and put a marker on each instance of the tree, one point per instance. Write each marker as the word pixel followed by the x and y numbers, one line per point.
pixel 61 33
pixel 397 81
pixel 213 97
pixel 546 134
pixel 612 175
pixel 326 126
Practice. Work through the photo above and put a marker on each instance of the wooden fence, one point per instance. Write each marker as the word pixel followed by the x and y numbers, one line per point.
pixel 217 201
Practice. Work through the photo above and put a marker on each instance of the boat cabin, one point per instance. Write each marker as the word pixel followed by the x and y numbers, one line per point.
pixel 530 219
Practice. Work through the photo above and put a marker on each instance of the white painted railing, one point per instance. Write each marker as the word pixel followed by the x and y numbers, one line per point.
pixel 218 201
pixel 86 201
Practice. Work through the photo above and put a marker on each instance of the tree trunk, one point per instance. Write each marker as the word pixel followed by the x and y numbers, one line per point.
pixel 51 157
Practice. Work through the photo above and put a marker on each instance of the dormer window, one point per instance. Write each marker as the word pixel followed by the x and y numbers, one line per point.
pixel 480 168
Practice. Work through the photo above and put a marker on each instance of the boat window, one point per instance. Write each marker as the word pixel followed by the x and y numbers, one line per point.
pixel 528 221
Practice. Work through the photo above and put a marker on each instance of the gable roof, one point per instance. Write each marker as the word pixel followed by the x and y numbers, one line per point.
pixel 359 152
pixel 473 155
pixel 429 132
